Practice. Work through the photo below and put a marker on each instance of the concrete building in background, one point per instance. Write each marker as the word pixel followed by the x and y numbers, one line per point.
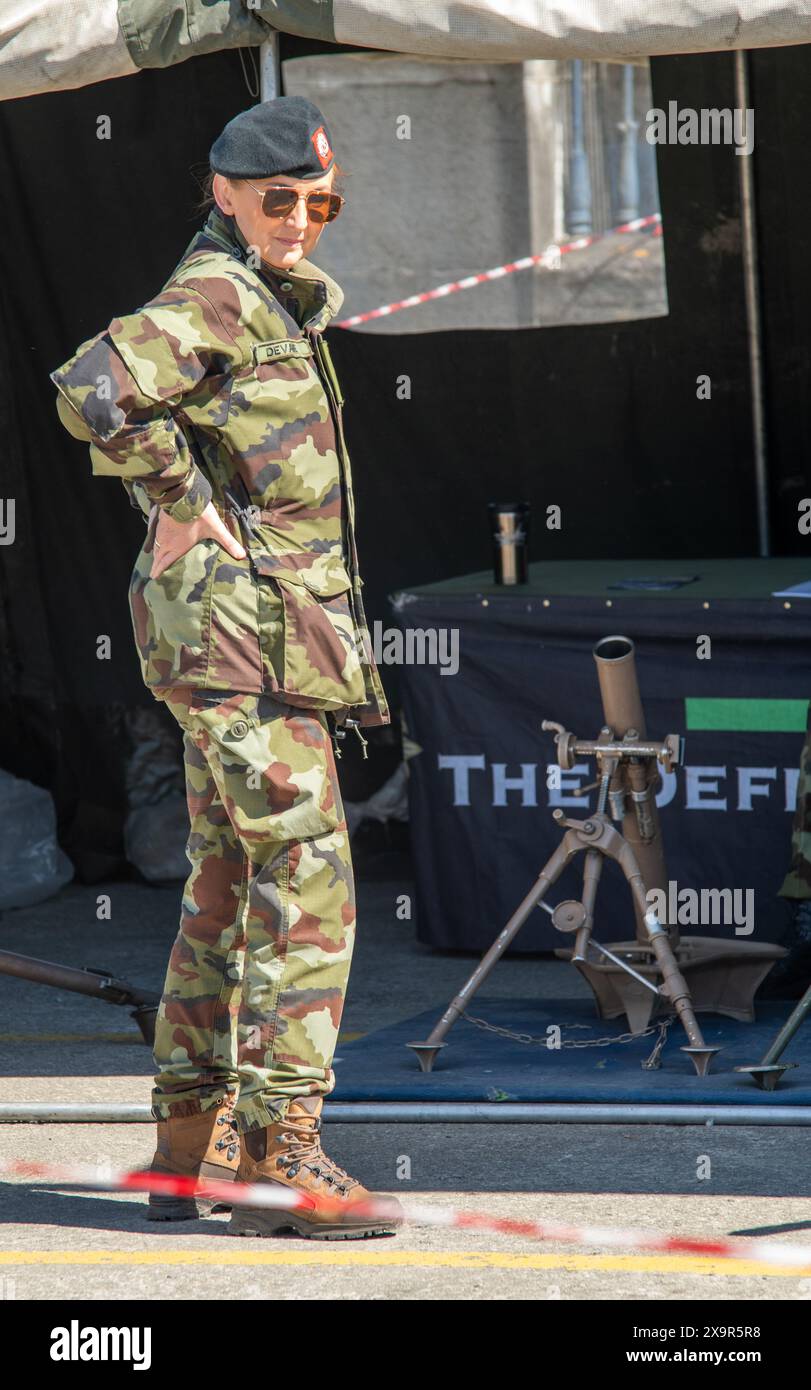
pixel 459 167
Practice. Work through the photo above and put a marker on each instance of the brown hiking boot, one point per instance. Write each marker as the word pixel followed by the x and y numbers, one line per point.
pixel 289 1156
pixel 199 1146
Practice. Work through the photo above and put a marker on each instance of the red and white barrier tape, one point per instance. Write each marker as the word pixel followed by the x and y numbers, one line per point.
pixel 262 1195
pixel 549 258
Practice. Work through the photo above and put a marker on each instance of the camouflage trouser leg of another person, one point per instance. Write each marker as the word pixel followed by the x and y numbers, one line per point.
pixel 797 883
pixel 257 976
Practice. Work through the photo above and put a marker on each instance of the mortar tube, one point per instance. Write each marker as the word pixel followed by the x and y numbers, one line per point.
pixel 622 710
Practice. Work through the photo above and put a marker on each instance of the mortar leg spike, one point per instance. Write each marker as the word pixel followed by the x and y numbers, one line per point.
pixel 426 1053
pixel 767 1077
pixel 701 1057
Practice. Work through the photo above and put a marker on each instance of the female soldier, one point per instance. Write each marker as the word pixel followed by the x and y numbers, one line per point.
pixel 218 407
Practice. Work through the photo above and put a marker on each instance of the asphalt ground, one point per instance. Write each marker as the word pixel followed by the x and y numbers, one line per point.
pixel 58 1243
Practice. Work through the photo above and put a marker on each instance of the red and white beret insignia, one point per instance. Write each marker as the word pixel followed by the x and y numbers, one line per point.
pixel 321 146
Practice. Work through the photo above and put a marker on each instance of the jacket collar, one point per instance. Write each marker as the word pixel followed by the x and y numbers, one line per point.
pixel 318 294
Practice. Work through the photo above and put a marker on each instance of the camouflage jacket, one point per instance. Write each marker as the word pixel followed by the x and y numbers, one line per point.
pixel 214 392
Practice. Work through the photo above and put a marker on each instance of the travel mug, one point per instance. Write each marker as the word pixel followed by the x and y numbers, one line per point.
pixel 510 527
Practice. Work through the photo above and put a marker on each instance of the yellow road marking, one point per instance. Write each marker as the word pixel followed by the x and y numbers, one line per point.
pixel 71 1037
pixel 419 1259
pixel 109 1037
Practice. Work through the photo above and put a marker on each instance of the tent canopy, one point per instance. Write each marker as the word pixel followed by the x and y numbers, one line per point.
pixel 48 45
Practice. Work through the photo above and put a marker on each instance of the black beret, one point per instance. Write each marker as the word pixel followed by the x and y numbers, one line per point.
pixel 287 135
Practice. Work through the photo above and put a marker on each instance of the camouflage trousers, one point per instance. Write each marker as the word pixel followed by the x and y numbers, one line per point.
pixel 257 976
pixel 797 883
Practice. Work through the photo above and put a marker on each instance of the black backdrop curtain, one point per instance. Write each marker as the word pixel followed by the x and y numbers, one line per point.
pixel 601 420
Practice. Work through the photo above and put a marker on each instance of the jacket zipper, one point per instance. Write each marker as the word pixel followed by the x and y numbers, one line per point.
pixel 319 353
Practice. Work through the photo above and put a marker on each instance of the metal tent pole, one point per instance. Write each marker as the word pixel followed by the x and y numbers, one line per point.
pixel 753 319
pixel 270 75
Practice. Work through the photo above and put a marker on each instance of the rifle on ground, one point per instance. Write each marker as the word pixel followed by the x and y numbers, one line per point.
pixel 99 984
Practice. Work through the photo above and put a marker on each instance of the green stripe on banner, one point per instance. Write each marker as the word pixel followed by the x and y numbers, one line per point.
pixel 753 716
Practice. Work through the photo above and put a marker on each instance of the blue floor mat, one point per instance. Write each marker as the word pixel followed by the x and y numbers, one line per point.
pixel 480 1066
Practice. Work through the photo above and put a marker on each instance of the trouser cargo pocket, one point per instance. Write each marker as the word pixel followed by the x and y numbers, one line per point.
pixel 273 765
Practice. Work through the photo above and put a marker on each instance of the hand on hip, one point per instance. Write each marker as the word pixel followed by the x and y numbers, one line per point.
pixel 174 538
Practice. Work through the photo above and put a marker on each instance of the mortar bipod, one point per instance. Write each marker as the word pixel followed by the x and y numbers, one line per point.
pixel 598 840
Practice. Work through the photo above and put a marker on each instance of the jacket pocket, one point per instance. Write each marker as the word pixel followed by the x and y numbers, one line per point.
pixel 313 654
pixel 172 615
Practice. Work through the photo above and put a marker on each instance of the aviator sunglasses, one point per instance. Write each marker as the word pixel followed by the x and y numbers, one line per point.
pixel 279 201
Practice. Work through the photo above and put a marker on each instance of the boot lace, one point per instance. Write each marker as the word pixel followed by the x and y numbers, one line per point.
pixel 229 1140
pixel 304 1150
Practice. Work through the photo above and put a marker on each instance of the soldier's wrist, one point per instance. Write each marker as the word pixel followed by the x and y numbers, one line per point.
pixel 192 502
